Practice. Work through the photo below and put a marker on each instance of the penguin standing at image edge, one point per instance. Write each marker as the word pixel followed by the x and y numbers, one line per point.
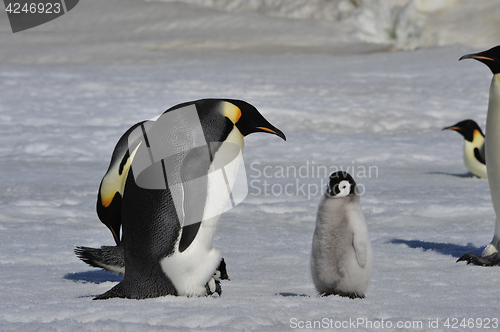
pixel 157 253
pixel 473 152
pixel 491 58
pixel 341 257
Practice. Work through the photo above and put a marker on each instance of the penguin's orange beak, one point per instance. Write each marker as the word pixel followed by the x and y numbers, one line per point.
pixel 274 131
pixel 477 57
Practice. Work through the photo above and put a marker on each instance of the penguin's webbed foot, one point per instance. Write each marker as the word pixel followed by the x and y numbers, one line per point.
pixel 490 260
pixel 352 296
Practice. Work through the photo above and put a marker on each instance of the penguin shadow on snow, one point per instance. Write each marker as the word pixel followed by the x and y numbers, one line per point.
pixel 454 250
pixel 458 175
pixel 95 277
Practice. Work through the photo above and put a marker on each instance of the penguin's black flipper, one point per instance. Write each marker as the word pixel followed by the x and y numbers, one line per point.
pixel 479 157
pixel 194 171
pixel 490 260
pixel 107 258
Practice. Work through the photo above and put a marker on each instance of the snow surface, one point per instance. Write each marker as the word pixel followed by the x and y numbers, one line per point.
pixel 71 87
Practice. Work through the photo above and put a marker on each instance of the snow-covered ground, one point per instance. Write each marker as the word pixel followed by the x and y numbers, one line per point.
pixel 70 88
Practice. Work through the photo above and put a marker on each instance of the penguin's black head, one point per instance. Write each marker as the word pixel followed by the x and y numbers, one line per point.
pixel 466 128
pixel 491 58
pixel 340 184
pixel 249 120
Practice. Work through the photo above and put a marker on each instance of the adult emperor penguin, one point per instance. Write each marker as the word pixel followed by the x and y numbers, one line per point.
pixel 473 146
pixel 168 183
pixel 491 58
pixel 341 256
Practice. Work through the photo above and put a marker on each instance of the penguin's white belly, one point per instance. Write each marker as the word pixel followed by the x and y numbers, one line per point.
pixel 191 269
pixel 492 145
pixel 470 161
pixel 356 265
pixel 354 278
pixel 344 275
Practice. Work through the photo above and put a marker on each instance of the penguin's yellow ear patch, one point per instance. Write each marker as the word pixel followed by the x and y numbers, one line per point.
pixel 114 181
pixel 231 111
pixel 476 134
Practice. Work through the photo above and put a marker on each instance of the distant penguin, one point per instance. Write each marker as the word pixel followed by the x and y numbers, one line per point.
pixel 341 256
pixel 491 58
pixel 168 183
pixel 473 146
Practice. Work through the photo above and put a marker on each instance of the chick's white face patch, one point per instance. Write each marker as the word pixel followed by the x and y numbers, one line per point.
pixel 344 188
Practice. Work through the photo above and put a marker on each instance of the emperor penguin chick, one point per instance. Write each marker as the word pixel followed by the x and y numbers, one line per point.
pixel 473 156
pixel 341 257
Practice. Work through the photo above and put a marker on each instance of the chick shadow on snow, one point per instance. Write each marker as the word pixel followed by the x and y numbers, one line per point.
pixel 96 277
pixel 287 294
pixel 451 249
